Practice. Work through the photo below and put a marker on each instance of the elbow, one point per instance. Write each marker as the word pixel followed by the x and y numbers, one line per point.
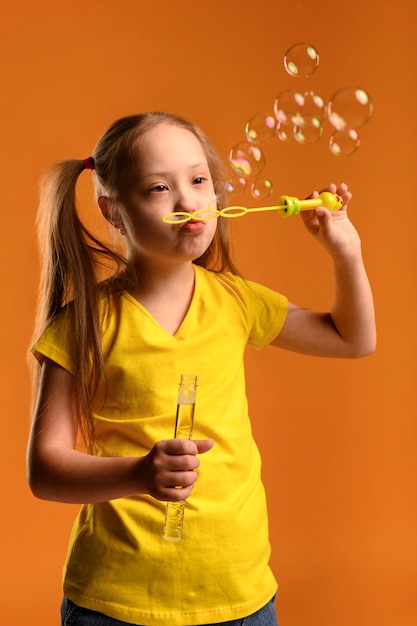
pixel 41 491
pixel 364 348
pixel 36 480
pixel 360 354
pixel 35 485
pixel 31 476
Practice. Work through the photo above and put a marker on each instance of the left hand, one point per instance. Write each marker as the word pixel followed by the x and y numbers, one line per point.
pixel 333 229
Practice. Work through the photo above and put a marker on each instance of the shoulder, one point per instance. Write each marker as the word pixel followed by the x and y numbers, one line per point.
pixel 239 287
pixel 220 280
pixel 260 309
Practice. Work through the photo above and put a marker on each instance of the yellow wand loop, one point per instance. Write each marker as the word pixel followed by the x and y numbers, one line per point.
pixel 287 206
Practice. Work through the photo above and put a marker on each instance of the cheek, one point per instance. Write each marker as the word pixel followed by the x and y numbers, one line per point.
pixel 212 229
pixel 142 231
pixel 143 221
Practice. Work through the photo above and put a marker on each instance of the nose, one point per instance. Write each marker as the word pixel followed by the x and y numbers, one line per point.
pixel 186 201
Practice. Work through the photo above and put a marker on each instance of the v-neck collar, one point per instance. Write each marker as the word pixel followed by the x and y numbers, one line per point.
pixel 188 315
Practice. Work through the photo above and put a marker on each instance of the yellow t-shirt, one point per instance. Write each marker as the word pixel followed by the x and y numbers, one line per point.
pixel 118 563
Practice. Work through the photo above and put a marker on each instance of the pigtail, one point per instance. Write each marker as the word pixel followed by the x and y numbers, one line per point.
pixel 72 258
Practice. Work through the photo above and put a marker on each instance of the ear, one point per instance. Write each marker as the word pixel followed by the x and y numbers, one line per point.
pixel 104 204
pixel 108 211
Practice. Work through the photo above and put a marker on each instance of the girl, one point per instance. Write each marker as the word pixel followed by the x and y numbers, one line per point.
pixel 111 349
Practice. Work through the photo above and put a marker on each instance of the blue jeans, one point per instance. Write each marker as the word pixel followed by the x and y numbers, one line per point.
pixel 73 615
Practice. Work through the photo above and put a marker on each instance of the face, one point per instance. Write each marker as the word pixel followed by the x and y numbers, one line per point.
pixel 170 173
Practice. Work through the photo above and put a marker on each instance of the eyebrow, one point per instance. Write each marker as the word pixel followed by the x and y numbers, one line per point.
pixel 168 172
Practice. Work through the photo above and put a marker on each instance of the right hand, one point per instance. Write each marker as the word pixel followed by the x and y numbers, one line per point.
pixel 169 470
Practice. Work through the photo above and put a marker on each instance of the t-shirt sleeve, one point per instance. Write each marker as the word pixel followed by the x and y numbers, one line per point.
pixel 54 344
pixel 266 311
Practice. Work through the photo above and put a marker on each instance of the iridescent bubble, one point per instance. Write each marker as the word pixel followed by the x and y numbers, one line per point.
pixel 288 106
pixel 247 159
pixel 309 131
pixel 235 185
pixel 314 104
pixel 344 142
pixel 261 127
pixel 261 188
pixel 301 60
pixel 350 107
pixel 285 131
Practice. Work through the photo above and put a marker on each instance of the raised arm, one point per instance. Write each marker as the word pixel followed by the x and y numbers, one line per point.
pixel 348 329
pixel 58 471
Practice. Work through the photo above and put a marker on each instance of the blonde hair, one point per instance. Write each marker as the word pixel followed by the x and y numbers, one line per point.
pixel 73 257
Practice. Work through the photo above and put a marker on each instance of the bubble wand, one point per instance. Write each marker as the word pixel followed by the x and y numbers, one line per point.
pixel 287 206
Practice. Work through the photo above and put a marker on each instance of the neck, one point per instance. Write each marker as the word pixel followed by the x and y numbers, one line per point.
pixel 167 295
pixel 153 279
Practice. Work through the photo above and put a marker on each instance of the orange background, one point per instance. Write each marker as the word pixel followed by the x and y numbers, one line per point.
pixel 338 438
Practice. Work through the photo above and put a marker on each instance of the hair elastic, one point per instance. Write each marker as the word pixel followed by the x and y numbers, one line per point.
pixel 89 163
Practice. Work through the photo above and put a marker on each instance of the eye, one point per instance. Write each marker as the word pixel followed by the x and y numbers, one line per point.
pixel 159 188
pixel 199 180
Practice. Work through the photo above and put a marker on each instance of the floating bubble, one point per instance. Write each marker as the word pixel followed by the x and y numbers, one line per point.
pixel 301 60
pixel 288 105
pixel 344 142
pixel 314 104
pixel 309 131
pixel 285 131
pixel 350 107
pixel 261 188
pixel 261 127
pixel 235 185
pixel 247 159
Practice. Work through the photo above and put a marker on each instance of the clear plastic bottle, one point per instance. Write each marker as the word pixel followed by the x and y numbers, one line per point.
pixel 174 515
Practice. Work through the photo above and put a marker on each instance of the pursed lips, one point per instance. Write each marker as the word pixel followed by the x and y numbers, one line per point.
pixel 193 226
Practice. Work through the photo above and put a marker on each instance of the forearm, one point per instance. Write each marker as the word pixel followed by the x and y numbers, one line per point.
pixel 58 471
pixel 66 475
pixel 348 329
pixel 352 312
pixel 167 472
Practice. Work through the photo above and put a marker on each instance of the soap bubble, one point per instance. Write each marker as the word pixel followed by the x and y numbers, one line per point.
pixel 285 131
pixel 350 107
pixel 301 60
pixel 309 131
pixel 288 106
pixel 344 142
pixel 261 188
pixel 235 185
pixel 247 159
pixel 314 104
pixel 261 127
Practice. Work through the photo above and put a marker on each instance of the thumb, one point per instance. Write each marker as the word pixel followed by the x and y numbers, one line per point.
pixel 203 445
pixel 323 214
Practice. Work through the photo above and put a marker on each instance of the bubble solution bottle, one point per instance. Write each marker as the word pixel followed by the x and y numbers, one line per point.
pixel 174 515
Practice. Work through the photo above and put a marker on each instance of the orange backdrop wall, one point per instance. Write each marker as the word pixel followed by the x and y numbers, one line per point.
pixel 338 438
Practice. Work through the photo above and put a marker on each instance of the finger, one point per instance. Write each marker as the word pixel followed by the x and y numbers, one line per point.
pixel 176 480
pixel 176 494
pixel 332 188
pixel 182 462
pixel 180 446
pixel 314 194
pixel 323 215
pixel 347 197
pixel 204 445
pixel 342 189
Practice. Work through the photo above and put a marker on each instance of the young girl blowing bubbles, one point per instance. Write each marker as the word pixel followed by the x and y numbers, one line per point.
pixel 110 355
